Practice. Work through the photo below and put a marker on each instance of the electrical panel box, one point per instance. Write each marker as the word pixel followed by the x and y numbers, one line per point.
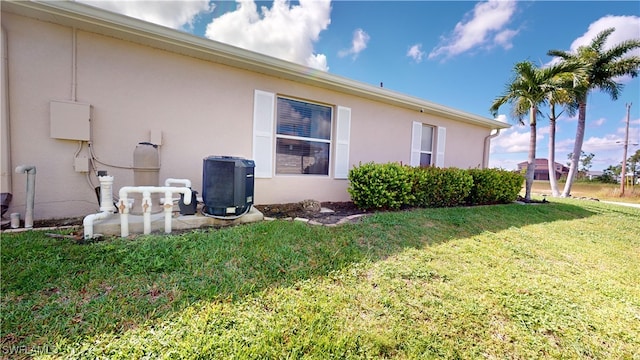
pixel 70 120
pixel 81 164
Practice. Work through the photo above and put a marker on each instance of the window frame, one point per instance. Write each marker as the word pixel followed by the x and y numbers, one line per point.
pixel 329 142
pixel 433 143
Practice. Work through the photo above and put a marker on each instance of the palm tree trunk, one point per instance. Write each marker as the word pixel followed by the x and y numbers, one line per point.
pixel 552 153
pixel 531 162
pixel 577 148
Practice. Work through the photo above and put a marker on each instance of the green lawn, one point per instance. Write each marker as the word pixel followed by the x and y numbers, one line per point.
pixel 558 280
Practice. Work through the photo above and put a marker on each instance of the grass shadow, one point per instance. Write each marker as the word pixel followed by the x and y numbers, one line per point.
pixel 56 291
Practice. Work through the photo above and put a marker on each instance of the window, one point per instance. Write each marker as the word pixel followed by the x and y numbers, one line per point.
pixel 303 137
pixel 426 145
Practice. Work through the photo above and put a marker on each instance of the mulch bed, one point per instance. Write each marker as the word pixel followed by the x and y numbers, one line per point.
pixel 340 212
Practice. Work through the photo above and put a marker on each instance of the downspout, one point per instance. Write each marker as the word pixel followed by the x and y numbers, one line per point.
pixel 31 192
pixel 6 169
pixel 487 144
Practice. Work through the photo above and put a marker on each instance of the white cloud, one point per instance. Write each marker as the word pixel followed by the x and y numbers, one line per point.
pixel 516 139
pixel 543 130
pixel 597 123
pixel 503 38
pixel 415 52
pixel 484 27
pixel 358 44
pixel 626 29
pixel 283 31
pixel 607 142
pixel 564 146
pixel 503 118
pixel 176 14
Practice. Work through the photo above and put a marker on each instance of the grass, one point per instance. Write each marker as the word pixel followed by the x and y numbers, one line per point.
pixel 605 192
pixel 558 280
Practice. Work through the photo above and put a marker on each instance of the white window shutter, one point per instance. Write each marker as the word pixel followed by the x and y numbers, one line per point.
pixel 416 143
pixel 343 130
pixel 263 118
pixel 442 135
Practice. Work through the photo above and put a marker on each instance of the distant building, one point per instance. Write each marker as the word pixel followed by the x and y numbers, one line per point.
pixel 542 169
pixel 594 174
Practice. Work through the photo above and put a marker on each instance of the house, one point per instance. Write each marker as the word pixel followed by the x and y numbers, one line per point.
pixel 542 169
pixel 82 87
pixel 594 174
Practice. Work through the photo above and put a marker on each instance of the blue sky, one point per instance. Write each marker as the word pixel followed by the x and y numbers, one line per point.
pixel 455 53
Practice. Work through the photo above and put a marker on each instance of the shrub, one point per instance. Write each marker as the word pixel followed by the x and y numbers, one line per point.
pixel 392 186
pixel 436 187
pixel 380 186
pixel 494 186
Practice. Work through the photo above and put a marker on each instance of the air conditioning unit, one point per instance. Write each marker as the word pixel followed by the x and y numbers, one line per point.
pixel 227 186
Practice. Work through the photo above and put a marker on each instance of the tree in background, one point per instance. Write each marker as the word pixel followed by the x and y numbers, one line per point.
pixel 601 68
pixel 585 163
pixel 633 166
pixel 610 174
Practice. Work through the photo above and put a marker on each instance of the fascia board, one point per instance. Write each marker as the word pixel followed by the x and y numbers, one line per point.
pixel 92 19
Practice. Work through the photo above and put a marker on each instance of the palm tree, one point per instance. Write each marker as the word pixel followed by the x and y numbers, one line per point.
pixel 601 67
pixel 526 92
pixel 564 91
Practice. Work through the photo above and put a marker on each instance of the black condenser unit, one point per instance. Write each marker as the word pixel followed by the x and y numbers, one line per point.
pixel 227 185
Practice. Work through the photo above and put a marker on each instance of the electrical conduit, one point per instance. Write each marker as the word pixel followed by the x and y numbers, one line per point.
pixel 124 205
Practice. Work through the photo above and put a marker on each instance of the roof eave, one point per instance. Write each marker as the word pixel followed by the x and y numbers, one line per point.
pixel 92 19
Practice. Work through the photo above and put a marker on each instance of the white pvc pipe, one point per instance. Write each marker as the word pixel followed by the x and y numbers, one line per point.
pixel 87 223
pixel 31 192
pixel 146 211
pixel 106 206
pixel 171 181
pixel 124 205
pixel 6 185
pixel 183 182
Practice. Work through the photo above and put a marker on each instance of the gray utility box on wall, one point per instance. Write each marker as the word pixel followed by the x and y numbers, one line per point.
pixel 227 185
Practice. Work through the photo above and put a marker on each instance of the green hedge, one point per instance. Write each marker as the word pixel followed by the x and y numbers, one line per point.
pixel 392 186
pixel 380 186
pixel 435 187
pixel 494 186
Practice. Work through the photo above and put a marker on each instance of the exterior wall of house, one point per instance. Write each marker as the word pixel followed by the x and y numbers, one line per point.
pixel 200 108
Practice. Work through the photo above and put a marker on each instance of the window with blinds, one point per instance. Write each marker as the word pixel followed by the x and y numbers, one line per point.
pixel 303 137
